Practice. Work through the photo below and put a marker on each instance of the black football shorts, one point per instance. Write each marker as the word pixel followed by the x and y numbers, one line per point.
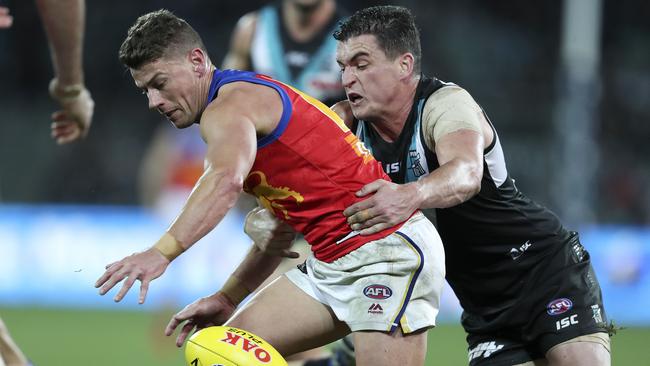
pixel 565 302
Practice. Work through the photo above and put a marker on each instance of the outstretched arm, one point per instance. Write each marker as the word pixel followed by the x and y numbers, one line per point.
pixel 217 308
pixel 64 22
pixel 231 140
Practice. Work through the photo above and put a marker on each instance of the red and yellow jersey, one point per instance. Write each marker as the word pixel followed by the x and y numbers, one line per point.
pixel 308 169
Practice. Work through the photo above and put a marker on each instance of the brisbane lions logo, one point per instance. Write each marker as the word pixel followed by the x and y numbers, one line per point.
pixel 270 196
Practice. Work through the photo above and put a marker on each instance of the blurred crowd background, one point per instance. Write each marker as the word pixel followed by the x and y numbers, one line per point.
pixel 507 53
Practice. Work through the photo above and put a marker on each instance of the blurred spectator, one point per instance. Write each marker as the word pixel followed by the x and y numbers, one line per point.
pixel 64 22
pixel 292 42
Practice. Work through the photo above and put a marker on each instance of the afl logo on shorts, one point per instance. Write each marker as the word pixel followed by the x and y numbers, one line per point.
pixel 559 306
pixel 378 292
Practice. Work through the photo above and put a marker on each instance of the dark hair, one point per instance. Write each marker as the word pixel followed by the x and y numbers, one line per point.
pixel 393 27
pixel 157 34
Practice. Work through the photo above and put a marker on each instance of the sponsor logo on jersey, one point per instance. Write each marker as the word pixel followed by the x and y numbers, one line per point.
pixel 375 309
pixel 559 306
pixel 596 314
pixel 272 198
pixel 485 349
pixel 378 292
pixel 391 167
pixel 515 253
pixel 566 322
pixel 416 165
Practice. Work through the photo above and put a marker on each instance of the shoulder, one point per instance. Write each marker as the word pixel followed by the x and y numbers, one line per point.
pixel 448 97
pixel 449 109
pixel 241 93
pixel 244 100
pixel 344 111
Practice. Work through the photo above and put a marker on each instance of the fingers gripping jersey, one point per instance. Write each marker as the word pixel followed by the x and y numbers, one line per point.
pixel 308 169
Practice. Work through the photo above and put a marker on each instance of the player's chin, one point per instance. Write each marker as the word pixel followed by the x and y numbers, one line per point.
pixel 181 122
pixel 360 112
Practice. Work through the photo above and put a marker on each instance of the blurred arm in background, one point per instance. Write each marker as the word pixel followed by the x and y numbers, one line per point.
pixel 5 19
pixel 64 22
pixel 239 53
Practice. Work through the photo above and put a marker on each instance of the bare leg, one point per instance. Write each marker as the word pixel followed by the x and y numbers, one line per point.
pixel 588 350
pixel 380 348
pixel 10 354
pixel 289 319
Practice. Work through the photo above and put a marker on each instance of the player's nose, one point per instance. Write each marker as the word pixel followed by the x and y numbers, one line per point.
pixel 155 101
pixel 347 77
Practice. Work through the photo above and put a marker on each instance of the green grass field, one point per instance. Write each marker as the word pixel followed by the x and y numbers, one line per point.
pixel 108 338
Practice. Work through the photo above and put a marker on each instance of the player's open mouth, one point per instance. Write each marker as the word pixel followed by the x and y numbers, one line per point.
pixel 354 98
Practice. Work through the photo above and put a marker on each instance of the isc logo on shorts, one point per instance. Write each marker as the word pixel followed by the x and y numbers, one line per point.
pixel 378 292
pixel 559 306
pixel 566 322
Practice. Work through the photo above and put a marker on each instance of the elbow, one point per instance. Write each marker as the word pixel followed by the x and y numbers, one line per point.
pixel 471 181
pixel 474 186
pixel 232 185
pixel 233 181
pixel 226 184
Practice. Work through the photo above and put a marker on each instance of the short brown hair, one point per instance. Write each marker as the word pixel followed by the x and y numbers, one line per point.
pixel 155 35
pixel 393 27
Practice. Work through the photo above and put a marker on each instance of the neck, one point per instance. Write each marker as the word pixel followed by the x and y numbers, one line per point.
pixel 303 22
pixel 390 123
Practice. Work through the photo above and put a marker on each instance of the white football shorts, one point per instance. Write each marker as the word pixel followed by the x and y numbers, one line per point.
pixel 386 283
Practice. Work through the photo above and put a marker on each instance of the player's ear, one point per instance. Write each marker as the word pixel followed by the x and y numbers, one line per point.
pixel 406 64
pixel 199 60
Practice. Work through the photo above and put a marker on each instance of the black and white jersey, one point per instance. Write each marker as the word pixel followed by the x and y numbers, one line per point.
pixel 308 66
pixel 492 240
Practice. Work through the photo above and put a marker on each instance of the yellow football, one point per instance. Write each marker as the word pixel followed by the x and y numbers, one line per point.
pixel 228 346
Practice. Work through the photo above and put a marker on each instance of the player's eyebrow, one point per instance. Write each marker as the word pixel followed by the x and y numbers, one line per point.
pixel 144 86
pixel 354 57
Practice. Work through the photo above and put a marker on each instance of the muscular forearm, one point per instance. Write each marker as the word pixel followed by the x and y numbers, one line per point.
pixel 451 184
pixel 255 268
pixel 64 22
pixel 215 193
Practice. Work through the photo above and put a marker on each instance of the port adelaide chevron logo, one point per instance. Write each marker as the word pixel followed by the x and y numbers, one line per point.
pixel 378 292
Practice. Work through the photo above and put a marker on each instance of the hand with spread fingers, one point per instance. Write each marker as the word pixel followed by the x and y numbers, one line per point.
pixel 72 122
pixel 144 266
pixel 389 205
pixel 271 235
pixel 204 312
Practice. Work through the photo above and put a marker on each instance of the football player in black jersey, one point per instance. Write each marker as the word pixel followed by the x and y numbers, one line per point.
pixel 529 293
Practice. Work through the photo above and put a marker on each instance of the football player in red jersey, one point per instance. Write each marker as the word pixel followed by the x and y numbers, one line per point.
pixel 304 165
